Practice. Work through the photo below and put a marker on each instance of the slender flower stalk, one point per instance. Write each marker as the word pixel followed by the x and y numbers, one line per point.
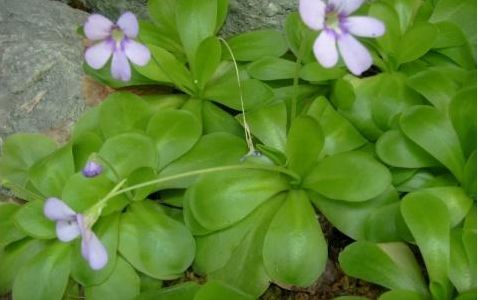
pixel 338 28
pixel 70 225
pixel 117 40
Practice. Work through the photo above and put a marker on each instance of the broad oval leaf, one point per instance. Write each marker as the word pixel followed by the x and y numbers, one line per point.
pixel 417 41
pixel 8 231
pixel 431 232
pixel 19 152
pixel 128 152
pixel 349 176
pixel 314 72
pixel 272 68
pixel 52 266
pixel 208 57
pixel 433 131
pixel 391 265
pixel 463 116
pixel 59 166
pixel 122 284
pixel 295 251
pixel 254 45
pixel 153 242
pixel 31 219
pixel 174 132
pixel 396 150
pixel 123 112
pixel 242 191
pixel 304 144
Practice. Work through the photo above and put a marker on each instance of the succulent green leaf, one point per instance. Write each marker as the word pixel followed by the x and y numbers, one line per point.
pixel 31 219
pixel 295 251
pixel 254 45
pixel 349 176
pixel 272 68
pixel 8 231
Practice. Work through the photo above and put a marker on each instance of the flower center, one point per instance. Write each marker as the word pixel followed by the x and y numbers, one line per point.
pixel 332 20
pixel 117 34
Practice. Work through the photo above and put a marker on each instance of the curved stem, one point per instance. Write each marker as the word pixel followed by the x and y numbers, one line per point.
pixel 206 171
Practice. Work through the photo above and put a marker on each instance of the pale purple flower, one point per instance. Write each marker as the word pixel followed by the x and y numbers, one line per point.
pixel 92 169
pixel 117 40
pixel 70 225
pixel 332 17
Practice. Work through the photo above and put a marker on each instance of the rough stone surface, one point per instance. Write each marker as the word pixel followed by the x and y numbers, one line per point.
pixel 244 15
pixel 40 65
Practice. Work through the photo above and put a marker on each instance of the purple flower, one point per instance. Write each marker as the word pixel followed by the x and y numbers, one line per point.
pixel 92 169
pixel 70 225
pixel 333 18
pixel 116 39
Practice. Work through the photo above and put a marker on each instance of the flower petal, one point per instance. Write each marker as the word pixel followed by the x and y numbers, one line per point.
pixel 97 27
pixel 346 7
pixel 97 55
pixel 355 55
pixel 136 52
pixel 325 50
pixel 129 24
pixel 365 26
pixel 93 250
pixel 120 68
pixel 56 210
pixel 67 230
pixel 312 13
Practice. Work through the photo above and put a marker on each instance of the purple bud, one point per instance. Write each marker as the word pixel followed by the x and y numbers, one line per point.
pixel 92 169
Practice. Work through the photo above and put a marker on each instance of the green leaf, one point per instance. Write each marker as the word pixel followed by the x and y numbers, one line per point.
pixel 123 284
pixel 13 257
pixel 400 295
pixel 83 147
pixel 227 92
pixel 269 125
pixel 304 144
pixel 141 176
pixel 449 35
pixel 106 229
pixel 215 119
pixel 9 233
pixel 31 219
pixel 340 135
pixel 432 131
pixel 470 175
pixel 52 266
pixel 299 35
pixel 295 251
pixel 87 123
pixel 177 72
pixel 195 21
pixel 349 176
pixel 123 112
pixel 384 224
pixel 406 10
pixel 390 41
pixel 432 235
pixel 19 152
pixel 462 271
pixel 208 57
pixel 254 45
pixel 218 290
pixel 435 85
pixel 174 132
pixel 182 291
pixel 417 41
pixel 128 152
pixel 391 265
pixel 59 166
pixel 242 192
pixel 272 68
pixel 104 76
pixel 81 193
pixel 395 149
pixel 314 72
pixel 463 117
pixel 162 13
pixel 152 33
pixel 215 149
pixel 154 243
pixel 153 71
pixel 351 217
pixel 241 251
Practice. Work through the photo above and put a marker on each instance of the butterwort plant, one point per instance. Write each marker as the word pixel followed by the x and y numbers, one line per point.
pixel 117 40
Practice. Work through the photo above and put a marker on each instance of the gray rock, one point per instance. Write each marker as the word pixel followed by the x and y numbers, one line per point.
pixel 244 15
pixel 40 59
